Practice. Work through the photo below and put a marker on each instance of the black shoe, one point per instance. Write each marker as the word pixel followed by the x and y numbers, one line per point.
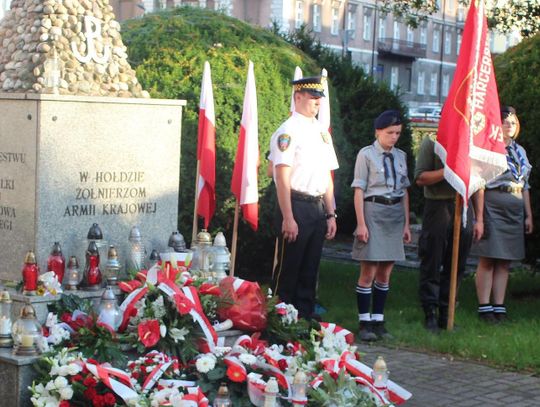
pixel 380 331
pixel 365 332
pixel 500 317
pixel 488 317
pixel 430 322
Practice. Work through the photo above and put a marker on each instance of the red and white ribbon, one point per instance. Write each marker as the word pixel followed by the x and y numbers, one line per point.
pixel 122 387
pixel 396 393
pixel 194 398
pixel 154 376
pixel 128 305
pixel 197 313
pixel 338 331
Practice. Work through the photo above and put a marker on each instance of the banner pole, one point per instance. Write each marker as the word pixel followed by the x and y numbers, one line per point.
pixel 234 238
pixel 196 204
pixel 455 259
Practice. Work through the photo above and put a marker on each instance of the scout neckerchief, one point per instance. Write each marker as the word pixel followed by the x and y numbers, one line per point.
pixel 390 157
pixel 516 161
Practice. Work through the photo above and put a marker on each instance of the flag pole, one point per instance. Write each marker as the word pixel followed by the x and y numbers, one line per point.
pixel 455 260
pixel 196 204
pixel 234 238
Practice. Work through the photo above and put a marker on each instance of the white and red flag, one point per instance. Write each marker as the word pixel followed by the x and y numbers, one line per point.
pixel 297 75
pixel 206 150
pixel 469 139
pixel 324 108
pixel 244 179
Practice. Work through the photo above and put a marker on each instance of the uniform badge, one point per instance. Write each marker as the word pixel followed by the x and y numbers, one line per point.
pixel 325 137
pixel 283 142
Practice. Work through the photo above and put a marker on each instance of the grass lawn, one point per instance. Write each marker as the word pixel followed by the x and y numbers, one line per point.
pixel 513 345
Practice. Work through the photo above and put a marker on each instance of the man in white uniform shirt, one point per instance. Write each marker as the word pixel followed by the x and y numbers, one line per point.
pixel 303 157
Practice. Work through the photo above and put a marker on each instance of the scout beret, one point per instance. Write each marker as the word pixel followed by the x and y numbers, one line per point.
pixel 313 85
pixel 507 111
pixel 387 118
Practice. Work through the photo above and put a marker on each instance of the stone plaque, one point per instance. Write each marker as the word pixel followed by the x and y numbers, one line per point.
pixel 68 161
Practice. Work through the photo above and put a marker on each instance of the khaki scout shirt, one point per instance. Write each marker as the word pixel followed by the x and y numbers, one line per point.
pixel 427 160
pixel 369 172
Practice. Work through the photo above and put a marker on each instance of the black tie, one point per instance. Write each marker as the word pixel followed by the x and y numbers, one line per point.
pixel 390 156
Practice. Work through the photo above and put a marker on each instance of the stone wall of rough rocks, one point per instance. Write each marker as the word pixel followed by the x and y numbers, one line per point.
pixel 33 29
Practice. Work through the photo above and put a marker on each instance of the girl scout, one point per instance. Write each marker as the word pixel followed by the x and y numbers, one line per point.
pixel 381 203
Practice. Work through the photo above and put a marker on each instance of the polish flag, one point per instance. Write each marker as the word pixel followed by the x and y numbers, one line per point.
pixel 206 150
pixel 297 75
pixel 469 138
pixel 324 108
pixel 244 179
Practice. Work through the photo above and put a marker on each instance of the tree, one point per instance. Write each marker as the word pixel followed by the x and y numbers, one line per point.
pixel 503 15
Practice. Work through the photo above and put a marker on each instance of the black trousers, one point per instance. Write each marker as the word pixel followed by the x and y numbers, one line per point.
pixel 294 278
pixel 435 251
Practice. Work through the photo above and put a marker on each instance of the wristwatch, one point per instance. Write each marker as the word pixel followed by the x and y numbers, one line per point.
pixel 331 215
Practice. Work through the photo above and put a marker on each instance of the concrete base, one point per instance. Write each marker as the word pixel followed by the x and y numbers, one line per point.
pixel 16 374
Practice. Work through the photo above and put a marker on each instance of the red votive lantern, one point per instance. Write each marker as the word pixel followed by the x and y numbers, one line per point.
pixel 56 262
pixel 30 274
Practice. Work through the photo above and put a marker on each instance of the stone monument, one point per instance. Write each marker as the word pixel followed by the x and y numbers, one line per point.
pixel 80 141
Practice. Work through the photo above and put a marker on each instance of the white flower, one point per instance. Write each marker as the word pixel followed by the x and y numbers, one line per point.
pixel 50 386
pixel 178 334
pixel 66 393
pixel 221 350
pixel 60 382
pixel 247 358
pixel 205 363
pixel 162 330
pixel 158 308
pixel 42 344
pixel 73 369
pixel 52 320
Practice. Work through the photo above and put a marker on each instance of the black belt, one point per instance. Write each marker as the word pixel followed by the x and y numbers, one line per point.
pixel 301 196
pixel 507 188
pixel 383 200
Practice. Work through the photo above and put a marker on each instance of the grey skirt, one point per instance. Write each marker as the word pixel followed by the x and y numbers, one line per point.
pixel 504 230
pixel 385 225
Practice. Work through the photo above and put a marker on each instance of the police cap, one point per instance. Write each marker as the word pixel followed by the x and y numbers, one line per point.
pixel 313 85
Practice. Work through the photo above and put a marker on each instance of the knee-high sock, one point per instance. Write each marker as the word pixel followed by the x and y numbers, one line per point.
pixel 363 297
pixel 380 292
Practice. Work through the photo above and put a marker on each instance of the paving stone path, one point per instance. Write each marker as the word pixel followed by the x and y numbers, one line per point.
pixel 437 381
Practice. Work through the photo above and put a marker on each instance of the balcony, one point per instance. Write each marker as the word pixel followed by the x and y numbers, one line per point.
pixel 401 48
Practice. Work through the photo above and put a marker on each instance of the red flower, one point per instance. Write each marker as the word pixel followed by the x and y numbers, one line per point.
pixel 282 364
pixel 90 382
pixel 209 289
pixel 76 378
pixel 66 317
pixel 90 393
pixel 64 403
pixel 236 373
pixel 109 399
pixel 149 332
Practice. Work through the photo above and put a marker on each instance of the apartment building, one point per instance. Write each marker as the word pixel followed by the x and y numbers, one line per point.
pixel 418 63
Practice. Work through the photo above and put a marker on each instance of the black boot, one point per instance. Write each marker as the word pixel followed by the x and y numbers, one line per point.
pixel 380 331
pixel 442 321
pixel 365 332
pixel 431 319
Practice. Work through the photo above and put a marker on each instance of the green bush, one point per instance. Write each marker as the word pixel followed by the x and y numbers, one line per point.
pixel 168 51
pixel 518 81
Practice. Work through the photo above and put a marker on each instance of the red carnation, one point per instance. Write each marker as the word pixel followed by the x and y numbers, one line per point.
pixel 149 332
pixel 109 399
pixel 90 393
pixel 90 382
pixel 77 378
pixel 282 364
pixel 64 403
pixel 66 317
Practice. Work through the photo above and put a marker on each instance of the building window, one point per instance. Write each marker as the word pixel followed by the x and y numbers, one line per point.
pixel 458 43
pixel 410 34
pixel 367 24
pixel 460 13
pixel 421 79
pixel 396 30
pixel 299 17
pixel 394 78
pixel 334 28
pixel 433 84
pixel 408 78
pixel 351 21
pixel 317 18
pixel 447 42
pixel 445 84
pixel 436 41
pixel 382 27
pixel 423 35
